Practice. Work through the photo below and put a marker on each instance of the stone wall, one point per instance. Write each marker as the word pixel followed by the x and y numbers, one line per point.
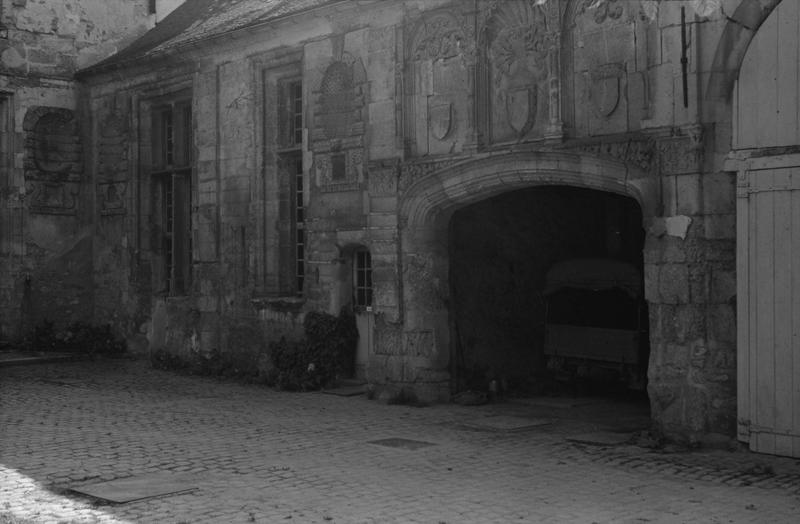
pixel 55 38
pixel 412 111
pixel 46 213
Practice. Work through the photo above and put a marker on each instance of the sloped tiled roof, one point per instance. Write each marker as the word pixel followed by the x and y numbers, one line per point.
pixel 197 20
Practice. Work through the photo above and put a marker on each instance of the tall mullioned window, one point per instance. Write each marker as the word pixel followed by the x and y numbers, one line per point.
pixel 290 145
pixel 171 172
pixel 296 117
pixel 300 228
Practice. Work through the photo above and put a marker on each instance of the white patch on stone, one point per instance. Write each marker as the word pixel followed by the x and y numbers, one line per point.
pixel 675 226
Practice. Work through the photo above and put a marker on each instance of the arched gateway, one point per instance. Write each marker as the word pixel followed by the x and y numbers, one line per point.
pixel 425 211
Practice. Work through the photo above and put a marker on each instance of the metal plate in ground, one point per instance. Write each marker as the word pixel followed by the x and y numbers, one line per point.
pixel 557 402
pixel 139 487
pixel 601 438
pixel 508 423
pixel 345 391
pixel 403 443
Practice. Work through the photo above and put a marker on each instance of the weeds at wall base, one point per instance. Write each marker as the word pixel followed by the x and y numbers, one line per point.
pixel 326 354
pixel 78 337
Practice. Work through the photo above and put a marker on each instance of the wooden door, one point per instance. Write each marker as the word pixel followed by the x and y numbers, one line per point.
pixel 365 322
pixel 768 303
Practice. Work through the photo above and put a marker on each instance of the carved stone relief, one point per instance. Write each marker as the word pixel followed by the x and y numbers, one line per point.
pixel 382 181
pixel 440 63
pixel 418 343
pixel 600 12
pixel 338 139
pixel 52 198
pixel 388 340
pixel 112 148
pixel 111 196
pixel 605 88
pixel 112 168
pixel 53 160
pixel 640 152
pixel 682 154
pixel 341 96
pixel 52 144
pixel 439 37
pixel 413 172
pixel 599 77
pixel 520 81
pixel 349 180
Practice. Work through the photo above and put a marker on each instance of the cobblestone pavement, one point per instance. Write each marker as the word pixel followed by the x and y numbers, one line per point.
pixel 256 455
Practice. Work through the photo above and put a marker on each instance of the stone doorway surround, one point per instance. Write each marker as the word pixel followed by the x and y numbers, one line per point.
pixel 425 210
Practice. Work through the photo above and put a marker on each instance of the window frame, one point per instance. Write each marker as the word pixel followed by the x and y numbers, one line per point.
pixel 6 138
pixel 363 290
pixel 7 172
pixel 289 143
pixel 171 191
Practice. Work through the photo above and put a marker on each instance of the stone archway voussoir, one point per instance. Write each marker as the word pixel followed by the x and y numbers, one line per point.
pixel 466 183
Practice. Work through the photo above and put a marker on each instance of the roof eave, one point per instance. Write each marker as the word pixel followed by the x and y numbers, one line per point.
pixel 103 67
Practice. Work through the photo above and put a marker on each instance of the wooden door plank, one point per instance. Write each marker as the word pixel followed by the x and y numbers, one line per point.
pixel 787 48
pixel 746 110
pixel 743 347
pixel 736 131
pixel 765 315
pixel 783 237
pixel 767 97
pixel 796 311
pixel 752 307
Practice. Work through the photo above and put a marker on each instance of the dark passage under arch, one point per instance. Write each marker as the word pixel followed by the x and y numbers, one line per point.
pixel 500 250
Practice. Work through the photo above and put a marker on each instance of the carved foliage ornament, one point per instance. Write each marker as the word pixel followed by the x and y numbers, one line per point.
pixel 113 150
pixel 439 37
pixel 52 144
pixel 382 181
pixel 602 10
pixel 52 198
pixel 341 98
pixel 53 160
pixel 640 152
pixel 413 172
pixel 605 9
pixel 519 47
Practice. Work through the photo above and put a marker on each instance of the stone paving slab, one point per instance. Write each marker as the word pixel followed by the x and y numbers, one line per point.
pixel 265 456
pixel 602 438
pixel 138 487
pixel 24 358
pixel 557 402
pixel 507 423
pixel 345 391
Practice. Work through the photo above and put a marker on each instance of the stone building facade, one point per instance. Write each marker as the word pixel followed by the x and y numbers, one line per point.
pixel 46 199
pixel 423 163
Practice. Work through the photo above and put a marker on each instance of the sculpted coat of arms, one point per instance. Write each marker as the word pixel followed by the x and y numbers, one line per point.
pixel 519 53
pixel 605 88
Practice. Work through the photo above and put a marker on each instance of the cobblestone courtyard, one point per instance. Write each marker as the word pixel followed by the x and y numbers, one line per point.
pixel 250 454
